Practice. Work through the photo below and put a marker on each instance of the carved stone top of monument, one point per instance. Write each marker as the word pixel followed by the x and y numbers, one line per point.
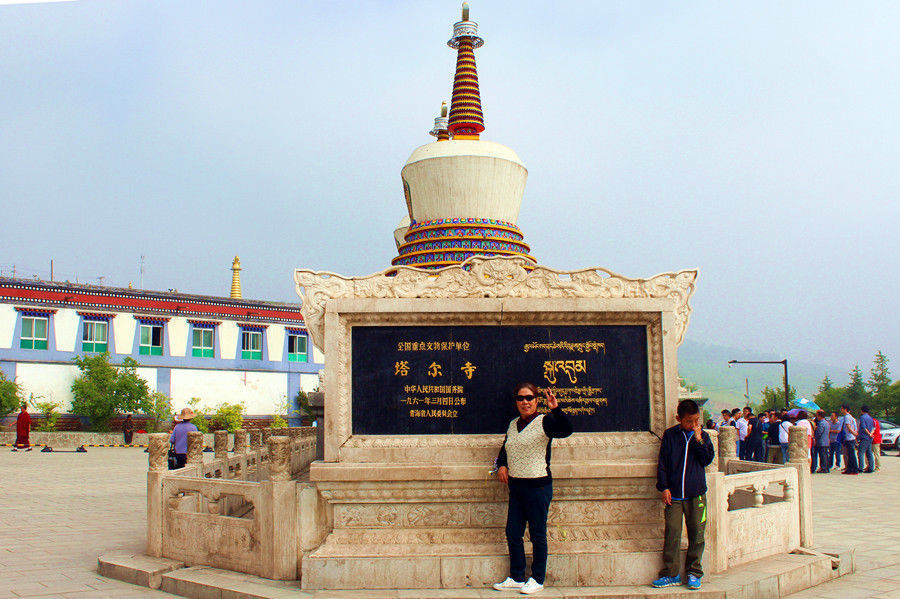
pixel 497 277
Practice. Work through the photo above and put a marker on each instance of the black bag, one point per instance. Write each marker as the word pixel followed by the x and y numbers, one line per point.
pixel 173 463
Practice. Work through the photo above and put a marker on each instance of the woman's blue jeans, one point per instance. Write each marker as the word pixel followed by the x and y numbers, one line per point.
pixel 528 505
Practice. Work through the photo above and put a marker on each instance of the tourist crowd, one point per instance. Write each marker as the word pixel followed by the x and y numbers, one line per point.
pixel 834 439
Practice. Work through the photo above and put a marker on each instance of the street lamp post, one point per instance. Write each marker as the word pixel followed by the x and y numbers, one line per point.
pixel 782 362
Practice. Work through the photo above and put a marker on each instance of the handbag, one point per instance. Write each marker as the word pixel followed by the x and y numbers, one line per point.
pixel 173 463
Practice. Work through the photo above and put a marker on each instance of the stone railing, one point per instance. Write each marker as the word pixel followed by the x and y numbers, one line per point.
pixel 756 510
pixel 236 511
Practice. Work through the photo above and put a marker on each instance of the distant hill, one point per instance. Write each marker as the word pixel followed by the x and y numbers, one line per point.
pixel 707 367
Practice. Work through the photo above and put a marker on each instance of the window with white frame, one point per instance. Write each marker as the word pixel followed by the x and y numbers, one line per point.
pixel 95 336
pixel 297 344
pixel 251 344
pixel 202 343
pixel 151 340
pixel 34 332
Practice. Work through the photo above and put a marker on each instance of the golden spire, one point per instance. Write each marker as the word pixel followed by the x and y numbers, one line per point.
pixel 236 278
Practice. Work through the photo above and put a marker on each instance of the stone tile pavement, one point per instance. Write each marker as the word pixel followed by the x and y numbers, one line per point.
pixel 862 512
pixel 59 511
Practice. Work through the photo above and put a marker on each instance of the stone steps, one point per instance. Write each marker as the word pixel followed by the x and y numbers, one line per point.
pixel 776 576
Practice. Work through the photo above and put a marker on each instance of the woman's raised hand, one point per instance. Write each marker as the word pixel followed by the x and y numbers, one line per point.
pixel 551 399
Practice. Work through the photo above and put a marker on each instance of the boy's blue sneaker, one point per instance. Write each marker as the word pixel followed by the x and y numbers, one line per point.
pixel 693 582
pixel 667 581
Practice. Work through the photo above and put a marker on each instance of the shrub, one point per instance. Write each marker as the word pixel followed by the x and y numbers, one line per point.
pixel 278 422
pixel 104 390
pixel 228 417
pixel 199 420
pixel 10 396
pixel 303 403
pixel 50 410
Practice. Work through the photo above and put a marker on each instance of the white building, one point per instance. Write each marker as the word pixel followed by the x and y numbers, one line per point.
pixel 219 349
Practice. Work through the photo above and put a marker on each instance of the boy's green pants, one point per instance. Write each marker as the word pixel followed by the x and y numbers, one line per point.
pixel 694 513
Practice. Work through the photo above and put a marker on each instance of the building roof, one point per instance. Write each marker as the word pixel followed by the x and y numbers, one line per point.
pixel 142 301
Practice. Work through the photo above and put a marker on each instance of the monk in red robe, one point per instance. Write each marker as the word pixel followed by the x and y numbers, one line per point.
pixel 23 428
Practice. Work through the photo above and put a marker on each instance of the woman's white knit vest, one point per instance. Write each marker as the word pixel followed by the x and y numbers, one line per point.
pixel 526 451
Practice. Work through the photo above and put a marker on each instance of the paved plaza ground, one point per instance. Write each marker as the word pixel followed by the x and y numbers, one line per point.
pixel 59 511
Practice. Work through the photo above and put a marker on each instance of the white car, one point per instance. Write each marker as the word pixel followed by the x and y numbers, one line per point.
pixel 890 434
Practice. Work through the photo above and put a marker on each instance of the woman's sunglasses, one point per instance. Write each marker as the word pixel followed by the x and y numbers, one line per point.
pixel 524 397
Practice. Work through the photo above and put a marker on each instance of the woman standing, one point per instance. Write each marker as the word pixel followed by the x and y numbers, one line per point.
pixel 524 465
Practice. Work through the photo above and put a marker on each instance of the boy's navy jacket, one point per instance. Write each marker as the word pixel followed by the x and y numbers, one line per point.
pixel 682 460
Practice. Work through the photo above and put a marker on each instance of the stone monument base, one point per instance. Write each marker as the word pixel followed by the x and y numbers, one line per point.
pixel 775 576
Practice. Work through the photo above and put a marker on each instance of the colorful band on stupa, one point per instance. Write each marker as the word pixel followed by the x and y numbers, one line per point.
pixel 463 193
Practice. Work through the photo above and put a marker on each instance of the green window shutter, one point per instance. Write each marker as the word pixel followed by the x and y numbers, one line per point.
pixel 40 344
pixel 145 350
pixel 209 353
pixel 26 344
pixel 87 346
pixel 28 327
pixel 197 352
pixel 99 347
pixel 155 350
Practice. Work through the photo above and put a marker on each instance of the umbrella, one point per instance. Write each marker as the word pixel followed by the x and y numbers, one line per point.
pixel 806 404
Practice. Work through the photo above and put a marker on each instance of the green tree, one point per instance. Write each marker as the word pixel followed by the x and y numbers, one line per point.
pixel 826 384
pixel 10 396
pixel 159 409
pixel 880 375
pixel 889 402
pixel 303 406
pixel 831 399
pixel 857 396
pixel 103 390
pixel 773 399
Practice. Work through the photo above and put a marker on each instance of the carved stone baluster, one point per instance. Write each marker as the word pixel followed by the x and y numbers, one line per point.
pixel 159 451
pixel 279 458
pixel 788 490
pixel 213 505
pixel 758 490
pixel 240 441
pixel 255 439
pixel 195 448
pixel 266 433
pixel 798 444
pixel 727 446
pixel 220 444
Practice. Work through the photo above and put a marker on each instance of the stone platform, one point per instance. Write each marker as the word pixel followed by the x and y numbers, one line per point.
pixel 776 576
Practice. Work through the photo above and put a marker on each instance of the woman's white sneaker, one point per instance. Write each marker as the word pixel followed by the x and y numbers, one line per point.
pixel 509 583
pixel 532 586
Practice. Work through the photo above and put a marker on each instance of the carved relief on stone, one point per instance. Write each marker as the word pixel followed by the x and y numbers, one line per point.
pixel 496 277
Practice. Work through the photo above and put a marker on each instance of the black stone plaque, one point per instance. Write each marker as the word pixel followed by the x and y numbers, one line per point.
pixel 459 379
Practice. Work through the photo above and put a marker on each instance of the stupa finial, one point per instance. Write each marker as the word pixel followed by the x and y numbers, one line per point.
pixel 466 118
pixel 440 125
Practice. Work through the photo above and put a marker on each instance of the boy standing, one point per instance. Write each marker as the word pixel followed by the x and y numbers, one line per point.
pixel 684 452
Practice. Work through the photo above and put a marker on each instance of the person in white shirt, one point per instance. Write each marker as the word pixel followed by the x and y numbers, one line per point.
pixel 786 423
pixel 741 425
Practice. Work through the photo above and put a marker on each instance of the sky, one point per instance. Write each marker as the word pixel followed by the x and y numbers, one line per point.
pixel 757 141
